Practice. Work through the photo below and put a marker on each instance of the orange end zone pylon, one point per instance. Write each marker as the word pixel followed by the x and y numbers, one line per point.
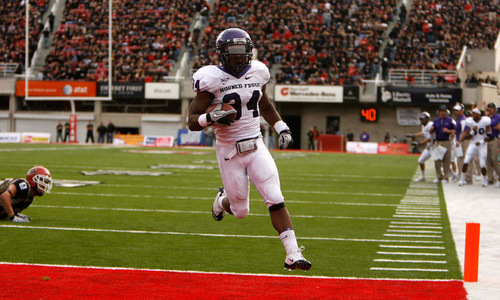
pixel 471 262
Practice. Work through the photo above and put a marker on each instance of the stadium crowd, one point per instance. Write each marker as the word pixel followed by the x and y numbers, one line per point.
pixel 309 42
pixel 312 42
pixel 433 36
pixel 12 29
pixel 147 38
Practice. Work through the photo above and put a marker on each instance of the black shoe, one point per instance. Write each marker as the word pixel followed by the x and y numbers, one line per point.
pixel 218 212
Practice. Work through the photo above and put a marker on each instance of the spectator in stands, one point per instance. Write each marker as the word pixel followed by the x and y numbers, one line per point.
pixel 101 131
pixel 59 129
pixel 52 19
pixel 310 139
pixel 90 132
pixel 364 137
pixel 350 135
pixel 46 37
pixel 66 131
pixel 387 137
pixel 111 132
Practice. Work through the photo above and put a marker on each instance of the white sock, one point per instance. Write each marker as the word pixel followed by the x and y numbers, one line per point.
pixel 423 173
pixel 462 177
pixel 485 179
pixel 289 241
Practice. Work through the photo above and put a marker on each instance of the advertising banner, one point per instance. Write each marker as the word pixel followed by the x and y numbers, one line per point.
pixel 384 148
pixel 351 94
pixel 158 141
pixel 10 137
pixel 163 91
pixel 188 137
pixel 412 96
pixel 122 90
pixel 408 116
pixel 56 88
pixel 308 93
pixel 35 137
pixel 362 147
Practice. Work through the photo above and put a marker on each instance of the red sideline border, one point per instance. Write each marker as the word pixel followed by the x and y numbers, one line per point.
pixel 36 281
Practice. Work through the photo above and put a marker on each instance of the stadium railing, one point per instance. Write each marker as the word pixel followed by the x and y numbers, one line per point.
pixel 8 70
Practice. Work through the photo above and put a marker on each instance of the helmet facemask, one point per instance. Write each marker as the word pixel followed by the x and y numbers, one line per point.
pixel 43 183
pixel 235 58
pixel 234 50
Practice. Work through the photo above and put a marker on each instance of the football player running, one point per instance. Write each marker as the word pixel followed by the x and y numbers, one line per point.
pixel 241 152
pixel 17 194
pixel 425 120
pixel 479 128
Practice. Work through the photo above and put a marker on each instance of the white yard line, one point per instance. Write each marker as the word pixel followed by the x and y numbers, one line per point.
pixel 411 253
pixel 409 269
pixel 411 261
pixel 213 234
pixel 411 247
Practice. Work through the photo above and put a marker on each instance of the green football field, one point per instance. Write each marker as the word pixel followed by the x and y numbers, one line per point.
pixel 357 215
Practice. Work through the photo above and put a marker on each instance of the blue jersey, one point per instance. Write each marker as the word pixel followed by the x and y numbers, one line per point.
pixel 440 124
pixel 459 127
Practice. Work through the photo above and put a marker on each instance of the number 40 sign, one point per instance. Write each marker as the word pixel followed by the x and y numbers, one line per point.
pixel 368 114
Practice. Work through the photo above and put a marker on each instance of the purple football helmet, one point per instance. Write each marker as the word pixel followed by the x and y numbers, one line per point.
pixel 234 50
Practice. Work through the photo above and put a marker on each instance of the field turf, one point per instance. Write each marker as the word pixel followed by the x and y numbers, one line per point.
pixel 358 216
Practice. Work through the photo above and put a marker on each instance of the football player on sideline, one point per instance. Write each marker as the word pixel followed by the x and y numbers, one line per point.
pixel 17 194
pixel 241 152
pixel 479 128
pixel 427 140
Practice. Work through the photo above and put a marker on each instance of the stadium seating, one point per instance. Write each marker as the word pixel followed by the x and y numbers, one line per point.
pixel 12 29
pixel 436 32
pixel 147 38
pixel 311 42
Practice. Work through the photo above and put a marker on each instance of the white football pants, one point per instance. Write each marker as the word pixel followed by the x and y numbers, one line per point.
pixel 257 166
pixel 481 150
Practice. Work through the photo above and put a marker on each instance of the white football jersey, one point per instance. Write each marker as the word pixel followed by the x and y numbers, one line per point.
pixel 426 132
pixel 479 128
pixel 243 93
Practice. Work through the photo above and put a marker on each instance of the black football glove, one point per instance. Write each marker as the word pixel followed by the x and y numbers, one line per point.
pixel 285 139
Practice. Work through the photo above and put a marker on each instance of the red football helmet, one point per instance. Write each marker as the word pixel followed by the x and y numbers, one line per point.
pixel 40 179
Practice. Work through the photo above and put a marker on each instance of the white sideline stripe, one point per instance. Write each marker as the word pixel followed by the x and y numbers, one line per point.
pixel 414 235
pixel 411 261
pixel 417 217
pixel 411 253
pixel 411 247
pixel 415 223
pixel 408 270
pixel 219 273
pixel 418 208
pixel 209 234
pixel 398 212
pixel 200 212
pixel 416 227
pixel 414 231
